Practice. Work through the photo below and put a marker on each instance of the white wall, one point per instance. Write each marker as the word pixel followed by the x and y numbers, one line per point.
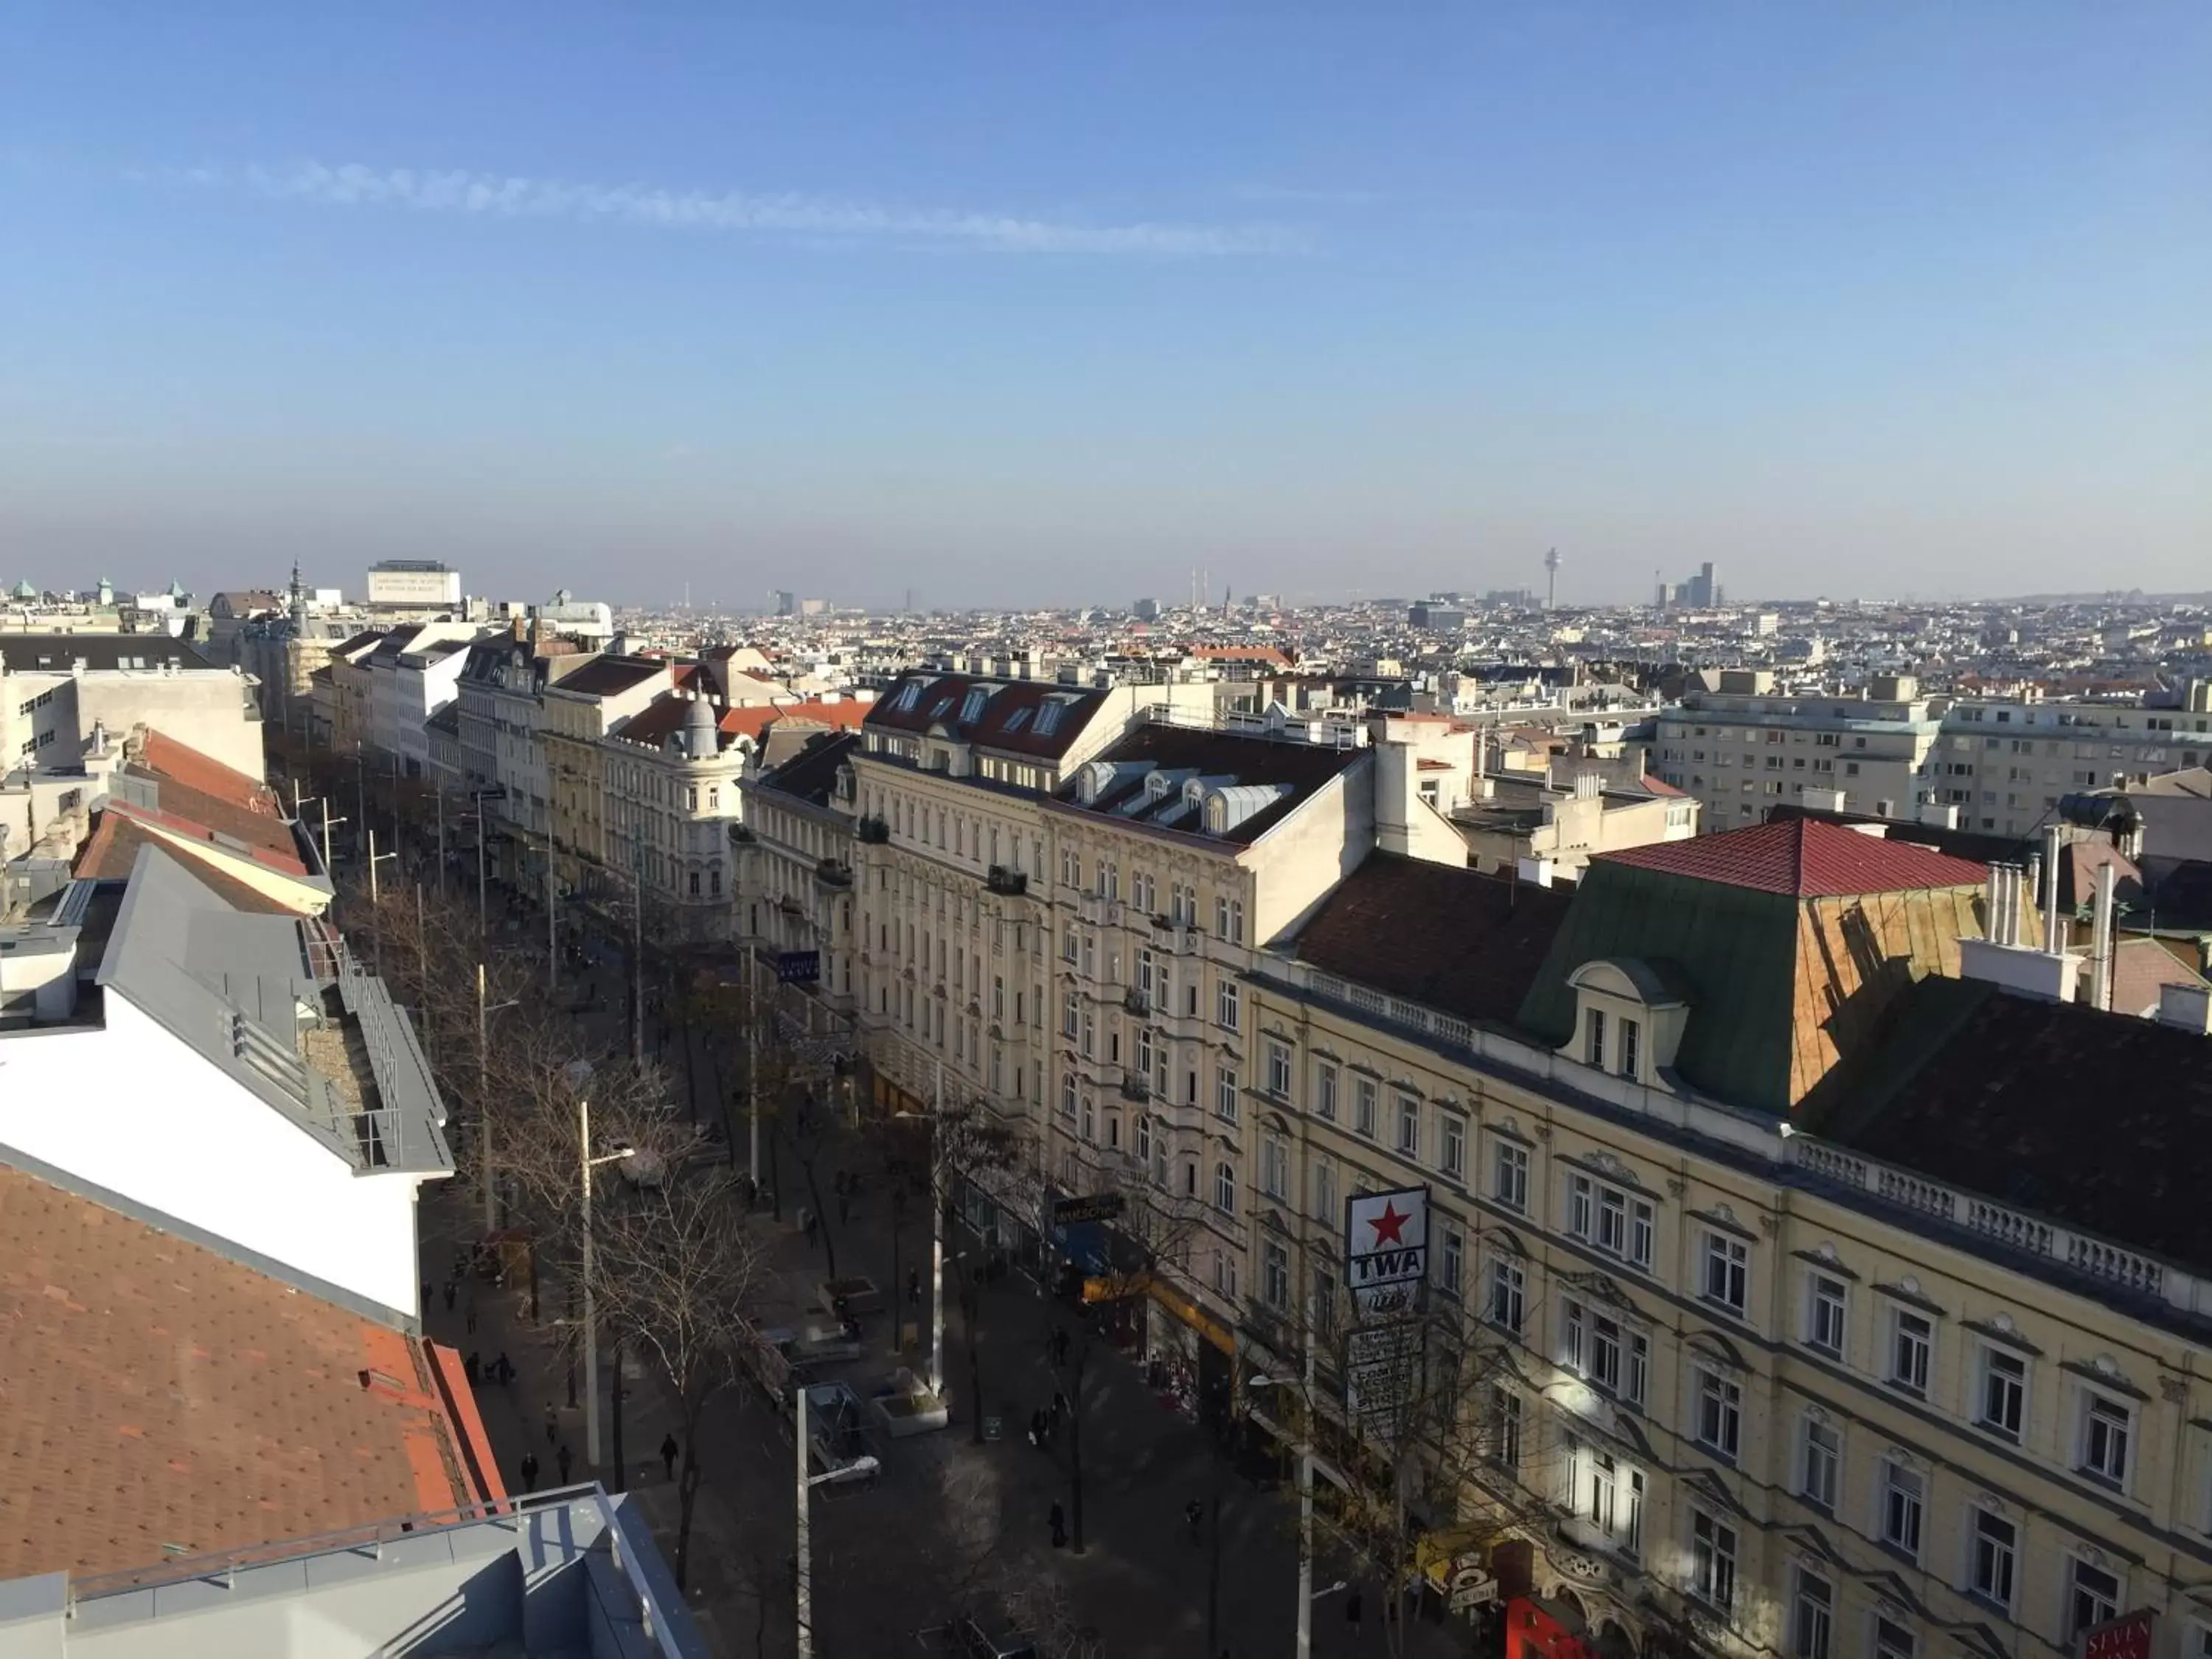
pixel 200 1148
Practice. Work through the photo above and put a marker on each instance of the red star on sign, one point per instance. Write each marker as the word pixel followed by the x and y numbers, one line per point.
pixel 1386 1224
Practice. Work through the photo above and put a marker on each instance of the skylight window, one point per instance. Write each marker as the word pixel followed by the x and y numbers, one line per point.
pixel 910 696
pixel 971 710
pixel 1048 719
pixel 1016 720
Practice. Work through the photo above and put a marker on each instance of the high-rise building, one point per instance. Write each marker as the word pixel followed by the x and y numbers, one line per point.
pixel 783 601
pixel 1146 609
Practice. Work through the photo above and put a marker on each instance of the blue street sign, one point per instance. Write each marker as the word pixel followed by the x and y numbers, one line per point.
pixel 799 967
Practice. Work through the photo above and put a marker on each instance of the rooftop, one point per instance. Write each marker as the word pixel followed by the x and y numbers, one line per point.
pixel 1802 857
pixel 1037 718
pixel 24 654
pixel 608 675
pixel 810 775
pixel 1451 939
pixel 1169 777
pixel 165 1398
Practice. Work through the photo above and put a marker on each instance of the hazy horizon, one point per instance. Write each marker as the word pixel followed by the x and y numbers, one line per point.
pixel 1005 307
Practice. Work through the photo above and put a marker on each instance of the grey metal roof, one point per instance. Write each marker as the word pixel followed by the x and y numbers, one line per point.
pixel 248 993
pixel 27 654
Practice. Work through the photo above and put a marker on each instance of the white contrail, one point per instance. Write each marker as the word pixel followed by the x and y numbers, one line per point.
pixel 786 214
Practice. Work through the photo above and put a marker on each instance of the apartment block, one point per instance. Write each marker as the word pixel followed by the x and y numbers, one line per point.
pixel 1744 748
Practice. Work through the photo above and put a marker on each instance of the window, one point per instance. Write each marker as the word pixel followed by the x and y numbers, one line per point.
pixel 1728 1263
pixel 1225 1188
pixel 1068 1096
pixel 1509 1174
pixel 1614 1357
pixel 1275 1168
pixel 2004 1393
pixel 1616 1220
pixel 1503 1426
pixel 1822 1461
pixel 1451 1262
pixel 1143 895
pixel 1912 1340
pixel 1325 1093
pixel 1812 1616
pixel 1608 1493
pixel 1993 1555
pixel 1275 1275
pixel 2107 1425
pixel 1594 1050
pixel 1712 1562
pixel 1507 1286
pixel 1451 1151
pixel 1893 1641
pixel 1278 1071
pixel 1224 1011
pixel 1904 1496
pixel 1363 1106
pixel 1409 1126
pixel 1144 1140
pixel 1324 1185
pixel 1720 1413
pixel 2095 1599
pixel 1826 1304
pixel 1630 1034
pixel 1225 1093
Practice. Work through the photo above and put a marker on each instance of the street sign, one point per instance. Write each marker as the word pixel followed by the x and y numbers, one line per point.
pixel 798 967
pixel 1098 1206
pixel 1386 1248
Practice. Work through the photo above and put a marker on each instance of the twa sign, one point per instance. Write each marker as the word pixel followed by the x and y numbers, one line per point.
pixel 1386 1249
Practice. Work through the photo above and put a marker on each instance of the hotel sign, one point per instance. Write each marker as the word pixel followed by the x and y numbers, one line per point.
pixel 1386 1249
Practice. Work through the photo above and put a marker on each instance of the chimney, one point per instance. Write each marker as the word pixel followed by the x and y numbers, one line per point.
pixel 2050 941
pixel 2185 1007
pixel 2101 949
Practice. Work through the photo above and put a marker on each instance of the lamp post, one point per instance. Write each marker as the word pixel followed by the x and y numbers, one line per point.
pixel 1304 1648
pixel 484 1012
pixel 587 1164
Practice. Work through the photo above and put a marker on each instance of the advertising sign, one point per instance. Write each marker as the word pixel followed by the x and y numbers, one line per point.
pixel 1381 1376
pixel 1386 1249
pixel 1095 1206
pixel 2125 1638
pixel 799 967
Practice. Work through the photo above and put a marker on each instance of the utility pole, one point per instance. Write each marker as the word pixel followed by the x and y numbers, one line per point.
pixel 327 822
pixel 1306 1494
pixel 552 926
pixel 638 961
pixel 441 841
pixel 752 1072
pixel 805 1573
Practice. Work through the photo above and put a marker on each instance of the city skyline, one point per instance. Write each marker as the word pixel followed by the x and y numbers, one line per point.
pixel 974 309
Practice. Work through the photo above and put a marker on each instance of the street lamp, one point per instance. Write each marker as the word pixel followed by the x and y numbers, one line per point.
pixel 484 1012
pixel 936 1237
pixel 587 1164
pixel 1306 1595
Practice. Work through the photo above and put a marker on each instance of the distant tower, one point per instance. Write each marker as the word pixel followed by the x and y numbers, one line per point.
pixel 1550 578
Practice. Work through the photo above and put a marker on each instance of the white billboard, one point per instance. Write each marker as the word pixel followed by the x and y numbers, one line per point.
pixel 1386 1249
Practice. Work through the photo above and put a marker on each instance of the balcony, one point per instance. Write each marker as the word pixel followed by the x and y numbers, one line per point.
pixel 1135 1089
pixel 1005 883
pixel 742 837
pixel 833 873
pixel 872 832
pixel 1136 1002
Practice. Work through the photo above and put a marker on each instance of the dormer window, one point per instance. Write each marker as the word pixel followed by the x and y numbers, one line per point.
pixel 971 707
pixel 1217 816
pixel 1016 720
pixel 1629 1019
pixel 909 697
pixel 1048 717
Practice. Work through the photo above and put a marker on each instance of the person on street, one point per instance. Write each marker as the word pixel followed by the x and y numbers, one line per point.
pixel 1036 1429
pixel 471 1367
pixel 552 1425
pixel 1194 1513
pixel 1353 1608
pixel 530 1471
pixel 1058 1528
pixel 669 1448
pixel 1060 1344
pixel 453 1289
pixel 563 1457
pixel 807 1222
pixel 504 1367
pixel 913 1287
pixel 1059 1408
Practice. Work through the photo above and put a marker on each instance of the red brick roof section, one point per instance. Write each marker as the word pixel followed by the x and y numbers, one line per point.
pixel 1804 858
pixel 653 724
pixel 113 850
pixel 173 760
pixel 160 1397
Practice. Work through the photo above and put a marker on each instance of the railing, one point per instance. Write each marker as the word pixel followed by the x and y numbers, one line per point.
pixel 833 873
pixel 874 832
pixel 1137 1002
pixel 1005 883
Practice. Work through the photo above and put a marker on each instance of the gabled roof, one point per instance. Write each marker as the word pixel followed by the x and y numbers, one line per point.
pixel 25 653
pixel 810 775
pixel 202 800
pixel 656 723
pixel 1802 857
pixel 119 836
pixel 165 757
pixel 1267 779
pixel 1449 939
pixel 162 1398
pixel 608 676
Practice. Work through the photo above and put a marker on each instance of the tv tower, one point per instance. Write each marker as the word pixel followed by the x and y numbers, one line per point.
pixel 1551 578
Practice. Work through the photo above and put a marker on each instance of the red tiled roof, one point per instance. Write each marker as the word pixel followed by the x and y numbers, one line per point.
pixel 1803 858
pixel 113 850
pixel 1660 787
pixel 162 1396
pixel 654 723
pixel 189 767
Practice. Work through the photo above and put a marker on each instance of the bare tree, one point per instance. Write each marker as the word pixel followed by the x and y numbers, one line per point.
pixel 675 1278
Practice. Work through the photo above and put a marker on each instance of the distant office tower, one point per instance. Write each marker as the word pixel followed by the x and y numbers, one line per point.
pixel 1436 618
pixel 814 607
pixel 1146 609
pixel 418 583
pixel 1551 578
pixel 781 601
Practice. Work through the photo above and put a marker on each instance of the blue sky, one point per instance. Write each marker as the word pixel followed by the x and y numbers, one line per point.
pixel 1023 304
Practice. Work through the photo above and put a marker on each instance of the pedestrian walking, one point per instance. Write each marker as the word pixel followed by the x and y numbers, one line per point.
pixel 1058 1528
pixel 471 1368
pixel 530 1471
pixel 844 1208
pixel 472 1316
pixel 1353 1608
pixel 913 1287
pixel 1060 1344
pixel 669 1449
pixel 1036 1429
pixel 806 1221
pixel 428 1290
pixel 1194 1513
pixel 503 1368
pixel 563 1457
pixel 1059 1406
pixel 452 1290
pixel 552 1425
